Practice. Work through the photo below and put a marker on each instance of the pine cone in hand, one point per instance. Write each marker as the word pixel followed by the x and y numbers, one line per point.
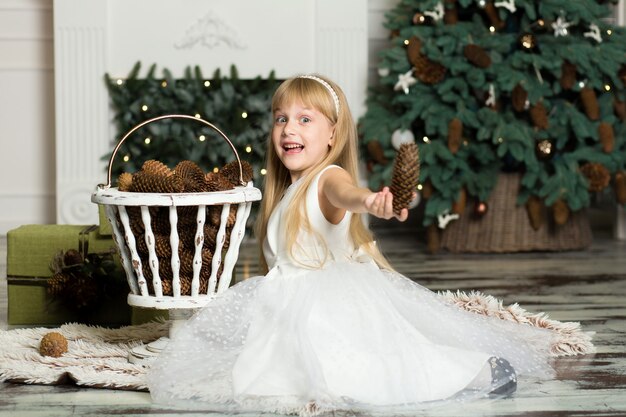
pixel 405 176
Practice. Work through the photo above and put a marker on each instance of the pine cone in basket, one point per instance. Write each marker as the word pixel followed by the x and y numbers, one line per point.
pixel 230 171
pixel 210 237
pixel 125 181
pixel 191 176
pixel 146 182
pixel 215 181
pixel 405 176
pixel 214 214
pixel 155 167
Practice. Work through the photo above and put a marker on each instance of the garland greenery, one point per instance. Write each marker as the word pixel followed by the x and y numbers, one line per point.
pixel 239 108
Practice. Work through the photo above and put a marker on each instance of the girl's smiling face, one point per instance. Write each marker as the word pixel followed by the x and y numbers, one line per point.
pixel 301 137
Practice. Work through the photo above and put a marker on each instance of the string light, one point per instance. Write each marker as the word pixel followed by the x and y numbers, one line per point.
pixel 201 138
pixel 126 158
pixel 425 139
pixel 207 83
pixel 263 171
pixel 419 187
pixel 144 107
pixel 147 141
pixel 406 41
pixel 197 115
pixel 216 170
pixel 607 87
pixel 540 22
pixel 492 29
pixel 609 32
pixel 119 81
pixel 500 140
pixel 164 84
pixel 244 115
pixel 248 148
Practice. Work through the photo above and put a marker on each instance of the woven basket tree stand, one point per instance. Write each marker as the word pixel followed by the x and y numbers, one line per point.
pixel 149 292
pixel 506 227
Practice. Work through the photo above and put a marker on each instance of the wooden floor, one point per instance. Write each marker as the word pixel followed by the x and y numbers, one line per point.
pixel 587 286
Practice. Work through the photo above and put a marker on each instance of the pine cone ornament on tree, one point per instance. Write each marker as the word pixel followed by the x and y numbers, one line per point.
pixel 619 186
pixel 125 181
pixel 215 181
pixel 620 109
pixel 535 210
pixel 568 75
pixel 375 150
pixel 405 176
pixel 518 98
pixel 450 15
pixel 230 171
pixel 455 131
pixel 597 175
pixel 427 71
pixel 560 212
pixel 539 115
pixel 477 56
pixel 427 190
pixel 622 74
pixel 53 344
pixel 607 137
pixel 590 103
pixel 433 242
pixel 492 15
pixel 458 207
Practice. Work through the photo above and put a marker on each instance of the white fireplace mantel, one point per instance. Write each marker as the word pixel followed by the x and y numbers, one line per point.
pixel 94 37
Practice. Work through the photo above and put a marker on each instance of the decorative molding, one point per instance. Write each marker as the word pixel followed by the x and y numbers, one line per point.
pixel 210 31
pixel 26 5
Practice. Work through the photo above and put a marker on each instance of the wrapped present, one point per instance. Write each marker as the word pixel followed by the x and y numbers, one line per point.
pixel 104 228
pixel 31 252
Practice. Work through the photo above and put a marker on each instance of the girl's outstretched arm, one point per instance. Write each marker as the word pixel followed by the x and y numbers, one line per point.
pixel 338 193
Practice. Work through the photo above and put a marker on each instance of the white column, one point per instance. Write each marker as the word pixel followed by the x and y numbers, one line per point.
pixel 620 220
pixel 81 101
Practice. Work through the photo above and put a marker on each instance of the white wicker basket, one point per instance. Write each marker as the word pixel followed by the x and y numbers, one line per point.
pixel 149 293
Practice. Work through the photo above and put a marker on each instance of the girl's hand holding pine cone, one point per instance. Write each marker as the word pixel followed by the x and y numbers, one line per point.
pixel 394 201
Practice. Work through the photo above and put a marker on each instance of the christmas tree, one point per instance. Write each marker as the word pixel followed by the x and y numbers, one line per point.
pixel 528 86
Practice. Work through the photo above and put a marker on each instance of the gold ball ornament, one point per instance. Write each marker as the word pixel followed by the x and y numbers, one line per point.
pixel 544 150
pixel 53 344
pixel 528 42
pixel 480 209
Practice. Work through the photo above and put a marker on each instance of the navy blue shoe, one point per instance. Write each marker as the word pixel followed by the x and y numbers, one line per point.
pixel 501 370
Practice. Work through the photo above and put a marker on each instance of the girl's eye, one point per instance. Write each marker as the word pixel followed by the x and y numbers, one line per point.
pixel 281 119
pixel 305 119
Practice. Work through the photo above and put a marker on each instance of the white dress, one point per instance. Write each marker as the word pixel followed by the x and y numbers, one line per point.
pixel 343 336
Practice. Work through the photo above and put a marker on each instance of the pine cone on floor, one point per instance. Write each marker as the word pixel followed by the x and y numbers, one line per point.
pixel 53 344
pixel 405 176
pixel 230 171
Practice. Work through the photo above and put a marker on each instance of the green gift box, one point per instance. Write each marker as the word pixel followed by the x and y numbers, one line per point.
pixel 30 252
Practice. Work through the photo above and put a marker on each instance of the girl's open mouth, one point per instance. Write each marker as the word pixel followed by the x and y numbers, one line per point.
pixel 293 148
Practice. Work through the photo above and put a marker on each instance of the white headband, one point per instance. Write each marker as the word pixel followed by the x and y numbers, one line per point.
pixel 328 87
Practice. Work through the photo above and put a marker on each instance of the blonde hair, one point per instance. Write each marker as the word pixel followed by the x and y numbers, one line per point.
pixel 343 153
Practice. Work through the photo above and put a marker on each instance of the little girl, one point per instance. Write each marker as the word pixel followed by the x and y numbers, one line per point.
pixel 331 326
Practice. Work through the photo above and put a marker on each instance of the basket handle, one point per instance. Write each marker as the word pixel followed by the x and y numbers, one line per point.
pixel 169 116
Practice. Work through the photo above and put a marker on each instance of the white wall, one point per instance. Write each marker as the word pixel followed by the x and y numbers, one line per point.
pixel 27 129
pixel 26 113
